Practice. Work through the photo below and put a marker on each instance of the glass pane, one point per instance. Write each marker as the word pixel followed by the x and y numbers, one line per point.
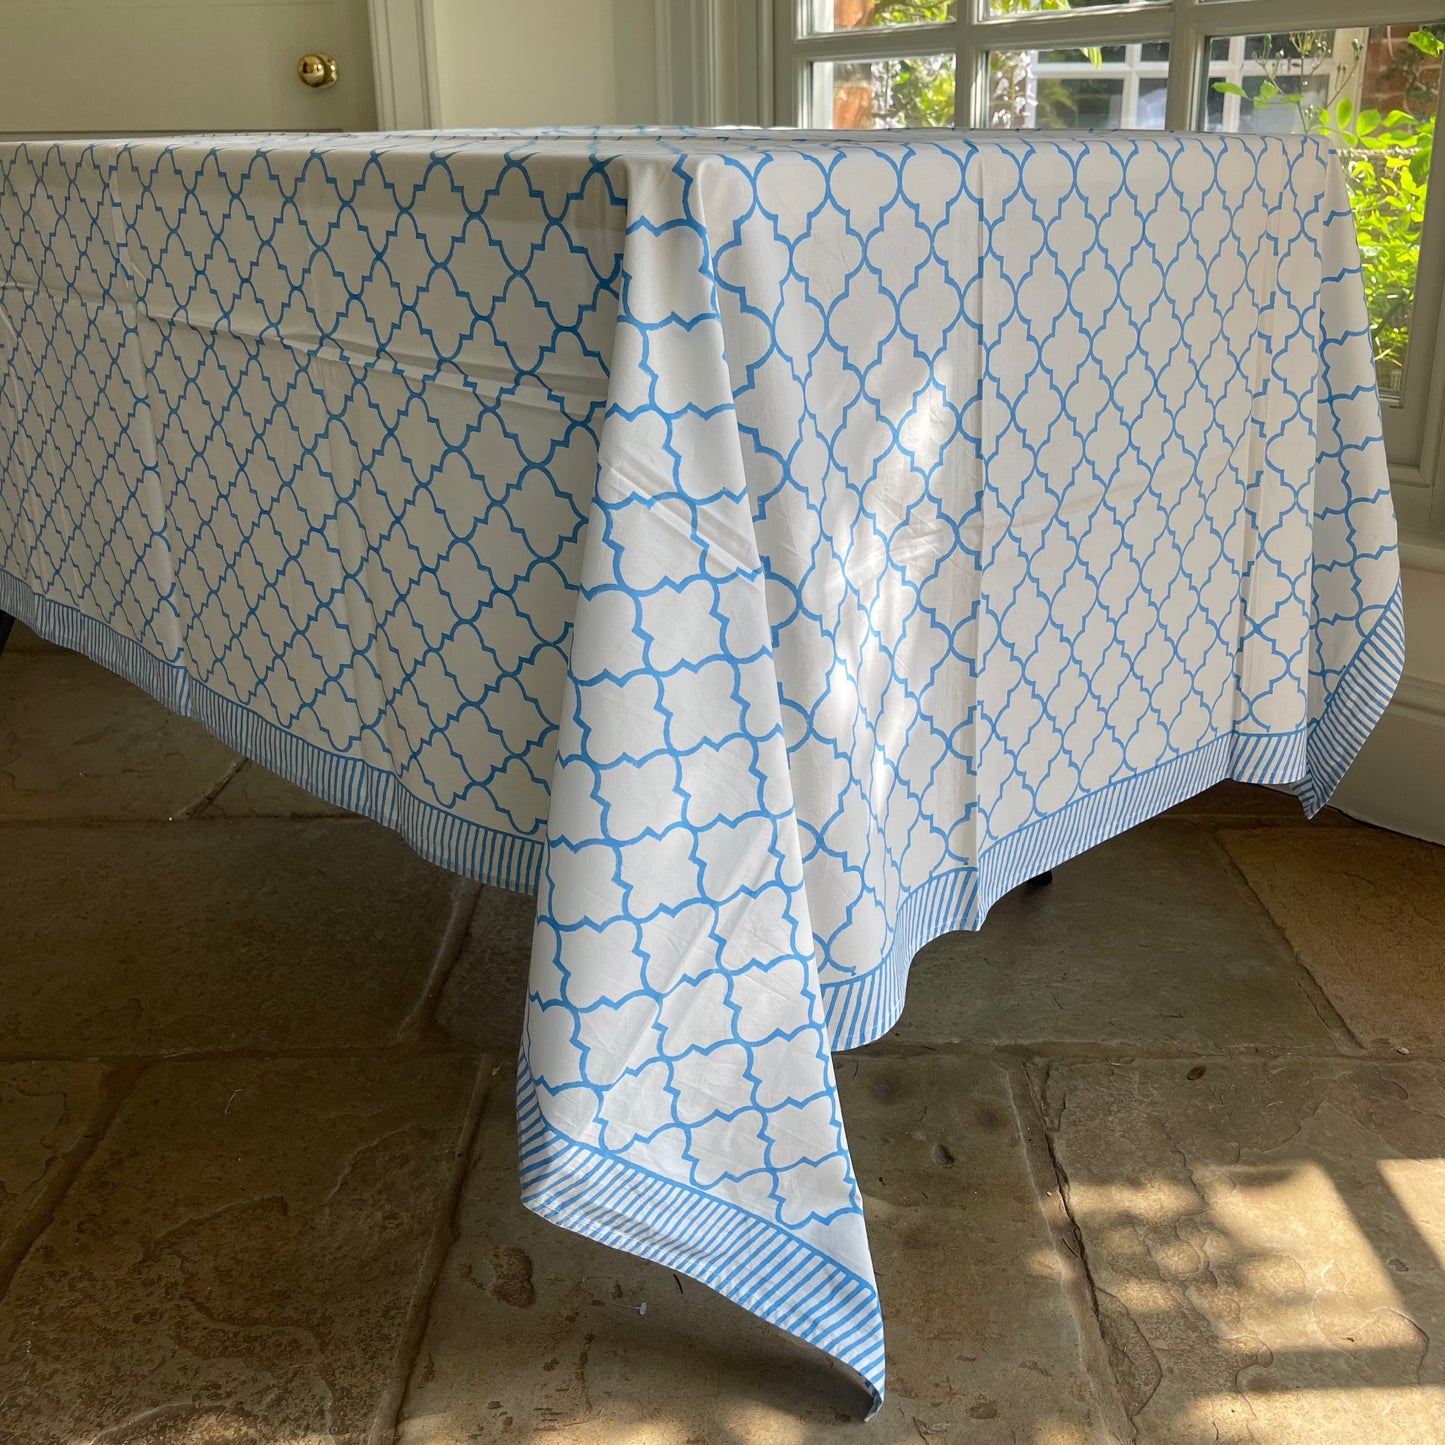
pixel 1374 94
pixel 1025 7
pixel 822 16
pixel 1110 87
pixel 867 94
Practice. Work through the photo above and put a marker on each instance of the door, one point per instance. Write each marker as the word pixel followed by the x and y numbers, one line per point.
pixel 127 67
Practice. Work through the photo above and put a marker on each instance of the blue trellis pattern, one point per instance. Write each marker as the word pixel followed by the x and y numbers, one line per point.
pixel 770 547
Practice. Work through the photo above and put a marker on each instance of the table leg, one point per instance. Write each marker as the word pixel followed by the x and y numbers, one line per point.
pixel 6 623
pixel 1043 880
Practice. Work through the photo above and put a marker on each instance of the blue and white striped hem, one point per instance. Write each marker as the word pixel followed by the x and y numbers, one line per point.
pixel 859 1010
pixel 863 1009
pixel 457 844
pixel 749 1260
pixel 70 628
pixel 1356 703
pixel 1310 760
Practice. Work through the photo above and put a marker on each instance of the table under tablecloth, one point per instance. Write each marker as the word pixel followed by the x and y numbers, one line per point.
pixel 769 547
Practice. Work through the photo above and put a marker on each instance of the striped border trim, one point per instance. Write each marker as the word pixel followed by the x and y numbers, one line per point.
pixel 1311 760
pixel 1356 704
pixel 1089 820
pixel 861 1010
pixel 749 1260
pixel 1269 757
pixel 70 628
pixel 453 843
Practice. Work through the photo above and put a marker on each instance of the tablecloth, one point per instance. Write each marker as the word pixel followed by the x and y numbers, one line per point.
pixel 770 547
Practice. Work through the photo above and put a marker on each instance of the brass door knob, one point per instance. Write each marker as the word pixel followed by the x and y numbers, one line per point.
pixel 317 71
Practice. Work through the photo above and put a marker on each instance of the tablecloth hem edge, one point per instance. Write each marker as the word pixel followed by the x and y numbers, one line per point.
pixel 473 850
pixel 1356 703
pixel 748 1260
pixel 862 1010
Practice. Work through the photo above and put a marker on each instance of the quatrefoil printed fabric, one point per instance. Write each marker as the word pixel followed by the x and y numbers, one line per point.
pixel 769 547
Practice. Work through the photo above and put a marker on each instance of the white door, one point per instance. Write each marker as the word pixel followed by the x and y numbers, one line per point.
pixel 125 67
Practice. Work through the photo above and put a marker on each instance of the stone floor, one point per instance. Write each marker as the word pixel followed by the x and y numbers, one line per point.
pixel 1159 1155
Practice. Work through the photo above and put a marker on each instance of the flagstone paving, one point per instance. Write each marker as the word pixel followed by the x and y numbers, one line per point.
pixel 1157 1156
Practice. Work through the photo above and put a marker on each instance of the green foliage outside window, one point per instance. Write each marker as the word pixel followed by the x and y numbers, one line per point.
pixel 914 93
pixel 921 92
pixel 1386 157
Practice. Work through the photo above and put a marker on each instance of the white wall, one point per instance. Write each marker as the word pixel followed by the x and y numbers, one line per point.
pixel 1398 781
pixel 562 62
pixel 98 68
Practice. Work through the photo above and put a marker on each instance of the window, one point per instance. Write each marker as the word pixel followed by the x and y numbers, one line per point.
pixel 1364 73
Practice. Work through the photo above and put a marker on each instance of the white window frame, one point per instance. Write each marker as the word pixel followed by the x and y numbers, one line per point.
pixel 1415 420
pixel 1133 69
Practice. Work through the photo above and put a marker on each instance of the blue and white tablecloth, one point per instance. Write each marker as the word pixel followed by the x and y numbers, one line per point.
pixel 769 547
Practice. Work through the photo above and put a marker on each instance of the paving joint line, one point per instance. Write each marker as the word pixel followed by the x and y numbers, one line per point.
pixel 446 1230
pixel 1083 1050
pixel 1065 1051
pixel 116 1087
pixel 211 820
pixel 1050 1186
pixel 1346 1039
pixel 194 810
pixel 386 1049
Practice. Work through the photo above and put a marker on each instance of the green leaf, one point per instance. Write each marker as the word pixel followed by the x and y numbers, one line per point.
pixel 1267 91
pixel 1426 42
pixel 1228 87
pixel 1343 111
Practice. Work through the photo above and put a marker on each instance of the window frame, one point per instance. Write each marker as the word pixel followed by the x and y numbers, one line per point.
pixel 1415 420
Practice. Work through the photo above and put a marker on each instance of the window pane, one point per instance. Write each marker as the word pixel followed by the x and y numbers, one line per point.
pixel 866 94
pixel 1095 88
pixel 1374 94
pixel 1025 7
pixel 822 16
